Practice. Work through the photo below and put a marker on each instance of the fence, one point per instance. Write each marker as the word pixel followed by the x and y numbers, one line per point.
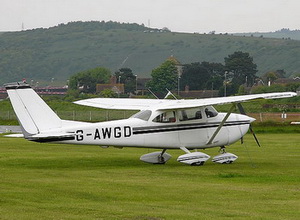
pixel 107 115
pixel 79 115
pixel 277 117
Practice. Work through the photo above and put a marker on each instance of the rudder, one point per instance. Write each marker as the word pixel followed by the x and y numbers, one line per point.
pixel 34 115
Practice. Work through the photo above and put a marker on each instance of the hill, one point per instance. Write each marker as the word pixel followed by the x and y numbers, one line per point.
pixel 58 52
pixel 284 33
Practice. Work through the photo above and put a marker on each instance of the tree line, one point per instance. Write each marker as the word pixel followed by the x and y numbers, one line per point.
pixel 235 76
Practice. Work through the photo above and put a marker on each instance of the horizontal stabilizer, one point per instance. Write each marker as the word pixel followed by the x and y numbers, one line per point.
pixel 51 137
pixel 14 135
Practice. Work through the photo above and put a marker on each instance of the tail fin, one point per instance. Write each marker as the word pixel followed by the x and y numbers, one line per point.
pixel 34 115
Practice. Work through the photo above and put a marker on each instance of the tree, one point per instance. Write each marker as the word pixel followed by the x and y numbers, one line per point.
pixel 292 87
pixel 216 72
pixel 281 73
pixel 125 76
pixel 203 75
pixel 242 68
pixel 108 93
pixel 242 90
pixel 266 89
pixel 194 76
pixel 273 75
pixel 164 77
pixel 270 76
pixel 87 80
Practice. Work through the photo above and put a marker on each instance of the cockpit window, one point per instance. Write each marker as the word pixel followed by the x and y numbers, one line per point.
pixel 144 115
pixel 190 114
pixel 166 117
pixel 210 112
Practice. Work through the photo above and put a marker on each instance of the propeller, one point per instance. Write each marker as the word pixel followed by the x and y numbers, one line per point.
pixel 242 111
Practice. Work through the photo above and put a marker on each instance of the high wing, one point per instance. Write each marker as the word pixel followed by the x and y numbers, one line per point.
pixel 165 104
pixel 122 103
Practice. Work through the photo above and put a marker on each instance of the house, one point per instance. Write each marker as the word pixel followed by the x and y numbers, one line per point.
pixel 48 90
pixel 199 94
pixel 113 85
pixel 285 81
pixel 141 85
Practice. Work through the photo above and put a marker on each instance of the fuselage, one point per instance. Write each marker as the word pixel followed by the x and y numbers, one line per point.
pixel 189 128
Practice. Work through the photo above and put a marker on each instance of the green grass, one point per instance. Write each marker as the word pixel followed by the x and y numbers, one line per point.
pixel 50 181
pixel 276 128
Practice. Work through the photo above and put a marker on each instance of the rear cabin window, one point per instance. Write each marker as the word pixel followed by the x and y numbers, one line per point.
pixel 166 117
pixel 190 114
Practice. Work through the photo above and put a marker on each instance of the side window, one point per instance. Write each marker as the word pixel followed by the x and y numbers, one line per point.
pixel 166 117
pixel 210 112
pixel 190 114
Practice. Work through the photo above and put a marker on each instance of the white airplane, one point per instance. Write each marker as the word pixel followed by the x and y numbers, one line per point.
pixel 160 124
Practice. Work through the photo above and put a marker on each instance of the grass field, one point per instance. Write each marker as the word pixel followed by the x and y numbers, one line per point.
pixel 49 181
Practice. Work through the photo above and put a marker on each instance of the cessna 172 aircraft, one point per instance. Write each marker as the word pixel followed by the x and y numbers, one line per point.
pixel 159 124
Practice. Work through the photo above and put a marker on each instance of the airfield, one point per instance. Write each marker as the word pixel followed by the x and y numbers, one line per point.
pixel 51 181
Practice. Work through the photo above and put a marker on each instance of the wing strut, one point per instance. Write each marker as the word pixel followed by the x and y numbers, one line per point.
pixel 221 124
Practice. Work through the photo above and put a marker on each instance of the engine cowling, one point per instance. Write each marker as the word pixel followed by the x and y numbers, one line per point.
pixel 195 158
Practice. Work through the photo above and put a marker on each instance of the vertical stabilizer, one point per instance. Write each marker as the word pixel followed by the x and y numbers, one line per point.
pixel 33 113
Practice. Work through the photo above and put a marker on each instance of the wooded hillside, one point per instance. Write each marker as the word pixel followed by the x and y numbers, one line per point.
pixel 58 52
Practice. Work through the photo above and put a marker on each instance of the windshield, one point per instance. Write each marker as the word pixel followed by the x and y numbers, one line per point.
pixel 210 112
pixel 143 115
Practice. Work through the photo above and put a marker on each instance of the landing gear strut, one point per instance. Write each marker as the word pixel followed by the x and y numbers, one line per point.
pixel 222 150
pixel 161 159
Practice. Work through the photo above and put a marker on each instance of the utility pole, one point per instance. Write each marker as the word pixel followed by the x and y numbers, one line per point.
pixel 178 86
pixel 136 91
pixel 225 88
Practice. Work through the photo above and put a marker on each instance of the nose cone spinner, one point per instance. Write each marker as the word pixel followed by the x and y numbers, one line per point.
pixel 251 119
pixel 246 118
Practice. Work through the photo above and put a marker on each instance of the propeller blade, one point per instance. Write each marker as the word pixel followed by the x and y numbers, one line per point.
pixel 251 130
pixel 242 111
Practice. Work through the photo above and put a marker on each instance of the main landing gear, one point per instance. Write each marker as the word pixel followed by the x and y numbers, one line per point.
pixel 224 157
pixel 190 158
pixel 194 159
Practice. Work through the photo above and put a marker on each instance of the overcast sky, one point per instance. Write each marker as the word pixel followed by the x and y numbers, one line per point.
pixel 178 15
